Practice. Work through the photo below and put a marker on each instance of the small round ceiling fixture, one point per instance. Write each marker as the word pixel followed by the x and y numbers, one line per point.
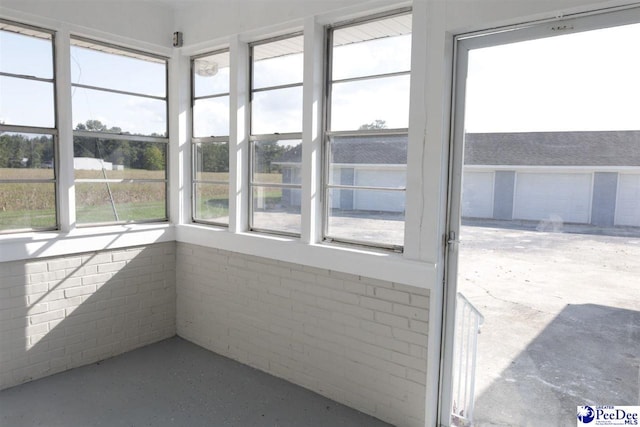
pixel 206 68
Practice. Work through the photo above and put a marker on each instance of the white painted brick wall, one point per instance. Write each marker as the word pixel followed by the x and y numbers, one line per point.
pixel 356 340
pixel 64 312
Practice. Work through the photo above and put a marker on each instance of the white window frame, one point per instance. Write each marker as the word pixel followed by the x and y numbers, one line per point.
pixel 53 131
pixel 213 139
pixel 253 138
pixel 116 49
pixel 328 133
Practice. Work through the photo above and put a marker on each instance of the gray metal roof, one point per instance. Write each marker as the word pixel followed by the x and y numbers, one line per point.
pixel 372 150
pixel 602 148
pixel 605 148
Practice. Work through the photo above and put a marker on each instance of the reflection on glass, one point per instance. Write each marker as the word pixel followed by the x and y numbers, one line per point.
pixel 26 102
pixel 211 75
pixel 27 206
pixel 212 203
pixel 211 117
pixel 277 161
pixel 381 102
pixel 26 156
pixel 276 209
pixel 12 54
pixel 97 158
pixel 112 202
pixel 212 161
pixel 371 57
pixel 120 113
pixel 278 63
pixel 368 216
pixel 277 110
pixel 115 71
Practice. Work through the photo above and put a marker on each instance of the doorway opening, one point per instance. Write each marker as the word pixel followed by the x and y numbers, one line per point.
pixel 545 210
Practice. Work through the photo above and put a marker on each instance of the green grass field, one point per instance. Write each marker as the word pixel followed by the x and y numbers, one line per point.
pixel 32 205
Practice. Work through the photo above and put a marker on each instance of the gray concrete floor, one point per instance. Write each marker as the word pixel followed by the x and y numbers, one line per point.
pixel 562 321
pixel 171 383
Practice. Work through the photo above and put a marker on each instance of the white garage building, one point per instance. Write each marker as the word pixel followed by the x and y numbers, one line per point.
pixel 572 177
pixel 562 177
pixel 360 162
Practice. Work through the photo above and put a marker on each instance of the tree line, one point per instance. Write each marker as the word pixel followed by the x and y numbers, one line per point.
pixel 214 157
pixel 37 151
pixel 21 151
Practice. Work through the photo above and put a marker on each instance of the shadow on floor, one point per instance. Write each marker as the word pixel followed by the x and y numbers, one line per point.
pixel 589 354
pixel 171 383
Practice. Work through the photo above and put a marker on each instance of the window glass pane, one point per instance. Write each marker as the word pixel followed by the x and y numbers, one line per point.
pixel 277 111
pixel 211 117
pixel 26 102
pixel 212 202
pixel 212 161
pixel 278 63
pixel 276 209
pixel 26 55
pixel 211 74
pixel 370 57
pixel 368 216
pixel 27 206
pixel 118 113
pixel 277 161
pixel 371 161
pixel 96 158
pixel 26 156
pixel 111 202
pixel 114 71
pixel 381 103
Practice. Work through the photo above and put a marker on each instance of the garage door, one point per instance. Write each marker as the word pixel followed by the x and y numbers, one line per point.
pixel 564 197
pixel 385 201
pixel 477 194
pixel 628 204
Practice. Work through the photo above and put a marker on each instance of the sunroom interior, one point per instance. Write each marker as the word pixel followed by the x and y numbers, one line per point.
pixel 204 170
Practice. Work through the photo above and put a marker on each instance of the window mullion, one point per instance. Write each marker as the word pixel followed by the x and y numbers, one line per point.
pixel 26 77
pixel 239 137
pixel 119 92
pixel 372 77
pixel 65 171
pixel 277 87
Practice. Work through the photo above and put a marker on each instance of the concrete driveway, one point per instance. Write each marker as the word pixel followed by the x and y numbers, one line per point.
pixel 562 321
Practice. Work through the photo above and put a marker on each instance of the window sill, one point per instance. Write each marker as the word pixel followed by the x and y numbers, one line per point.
pixel 55 243
pixel 372 263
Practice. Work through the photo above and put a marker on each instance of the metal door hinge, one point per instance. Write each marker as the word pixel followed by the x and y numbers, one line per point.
pixel 452 238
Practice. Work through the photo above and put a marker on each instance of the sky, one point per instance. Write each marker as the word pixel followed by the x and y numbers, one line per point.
pixel 354 103
pixel 582 81
pixel 30 103
pixel 134 114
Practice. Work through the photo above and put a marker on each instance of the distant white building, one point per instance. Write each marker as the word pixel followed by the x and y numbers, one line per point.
pixel 89 163
pixel 575 177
